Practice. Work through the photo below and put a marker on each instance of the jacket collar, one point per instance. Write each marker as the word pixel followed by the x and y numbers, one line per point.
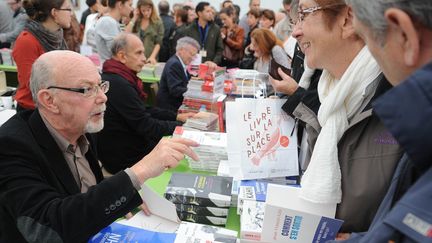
pixel 54 157
pixel 406 110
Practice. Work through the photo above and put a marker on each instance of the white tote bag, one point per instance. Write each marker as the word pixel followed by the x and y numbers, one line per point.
pixel 261 141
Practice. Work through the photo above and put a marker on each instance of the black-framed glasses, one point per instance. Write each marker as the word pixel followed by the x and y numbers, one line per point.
pixel 64 9
pixel 303 13
pixel 88 92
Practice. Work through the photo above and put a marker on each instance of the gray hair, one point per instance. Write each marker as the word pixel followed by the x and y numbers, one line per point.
pixel 119 43
pixel 41 77
pixel 184 42
pixel 371 13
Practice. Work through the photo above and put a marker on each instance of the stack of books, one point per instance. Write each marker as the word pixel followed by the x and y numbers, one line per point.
pixel 204 121
pixel 200 198
pixel 211 151
pixel 206 95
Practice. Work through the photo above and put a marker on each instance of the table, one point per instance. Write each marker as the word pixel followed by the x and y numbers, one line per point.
pixel 159 184
pixel 150 86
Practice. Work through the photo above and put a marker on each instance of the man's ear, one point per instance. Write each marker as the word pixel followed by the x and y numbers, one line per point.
pixel 347 24
pixel 403 32
pixel 47 100
pixel 121 56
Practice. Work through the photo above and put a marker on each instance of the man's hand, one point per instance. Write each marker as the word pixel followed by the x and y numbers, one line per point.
pixel 212 66
pixel 184 116
pixel 143 207
pixel 286 86
pixel 167 154
pixel 343 236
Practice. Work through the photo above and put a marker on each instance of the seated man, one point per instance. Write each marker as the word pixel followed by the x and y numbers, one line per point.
pixel 398 34
pixel 51 187
pixel 175 78
pixel 131 130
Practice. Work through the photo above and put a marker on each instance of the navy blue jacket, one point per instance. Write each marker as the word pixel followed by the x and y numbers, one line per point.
pixel 173 84
pixel 406 111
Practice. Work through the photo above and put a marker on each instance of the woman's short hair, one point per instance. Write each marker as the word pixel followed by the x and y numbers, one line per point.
pixel 269 14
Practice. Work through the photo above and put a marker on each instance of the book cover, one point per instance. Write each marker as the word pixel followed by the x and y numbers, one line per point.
pixel 202 219
pixel 297 220
pixel 123 233
pixel 201 190
pixel 199 210
pixel 251 220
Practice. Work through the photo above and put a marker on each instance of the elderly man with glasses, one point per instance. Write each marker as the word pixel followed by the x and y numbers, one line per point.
pixel 51 185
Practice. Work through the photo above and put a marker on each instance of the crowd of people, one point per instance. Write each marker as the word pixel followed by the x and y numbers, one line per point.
pixel 359 86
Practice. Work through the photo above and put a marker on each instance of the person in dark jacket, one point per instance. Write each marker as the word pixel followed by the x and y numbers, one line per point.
pixel 131 129
pixel 174 79
pixel 169 26
pixel 398 34
pixel 207 34
pixel 180 17
pixel 51 186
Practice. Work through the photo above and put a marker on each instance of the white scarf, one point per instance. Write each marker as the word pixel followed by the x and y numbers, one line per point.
pixel 340 101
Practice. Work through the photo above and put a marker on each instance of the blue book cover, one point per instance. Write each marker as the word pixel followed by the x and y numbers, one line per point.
pixel 122 233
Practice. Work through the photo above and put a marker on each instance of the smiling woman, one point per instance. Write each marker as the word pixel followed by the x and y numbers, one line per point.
pixel 340 134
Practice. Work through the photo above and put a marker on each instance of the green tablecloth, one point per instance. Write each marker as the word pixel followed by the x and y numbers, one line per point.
pixel 159 184
pixel 7 68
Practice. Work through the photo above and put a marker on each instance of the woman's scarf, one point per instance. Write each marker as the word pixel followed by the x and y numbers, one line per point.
pixel 50 41
pixel 116 67
pixel 340 101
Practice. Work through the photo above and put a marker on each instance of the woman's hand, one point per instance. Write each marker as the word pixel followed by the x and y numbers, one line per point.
pixel 286 86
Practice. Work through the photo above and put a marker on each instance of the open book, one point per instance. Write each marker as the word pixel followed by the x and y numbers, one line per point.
pixel 162 226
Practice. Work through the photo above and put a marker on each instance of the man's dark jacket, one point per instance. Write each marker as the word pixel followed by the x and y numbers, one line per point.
pixel 405 214
pixel 173 84
pixel 213 43
pixel 39 198
pixel 131 129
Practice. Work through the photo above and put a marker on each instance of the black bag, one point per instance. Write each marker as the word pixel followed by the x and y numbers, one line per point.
pixel 247 62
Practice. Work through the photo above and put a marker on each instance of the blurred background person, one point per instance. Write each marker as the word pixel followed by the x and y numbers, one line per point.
pixel 233 38
pixel 266 46
pixel 149 28
pixel 6 21
pixel 42 33
pixel 181 18
pixel 19 21
pixel 208 34
pixel 191 14
pixel 92 8
pixel 169 26
pixel 283 27
pixel 267 20
pixel 108 26
pixel 253 5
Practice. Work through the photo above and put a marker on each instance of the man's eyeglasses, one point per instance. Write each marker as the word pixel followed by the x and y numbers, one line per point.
pixel 87 92
pixel 303 13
